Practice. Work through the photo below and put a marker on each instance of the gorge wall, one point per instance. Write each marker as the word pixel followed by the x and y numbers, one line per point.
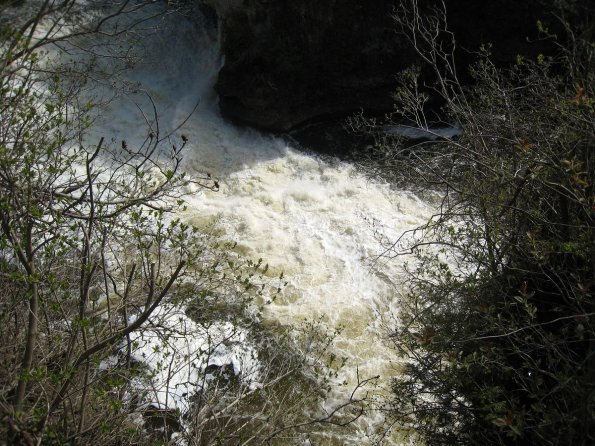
pixel 293 62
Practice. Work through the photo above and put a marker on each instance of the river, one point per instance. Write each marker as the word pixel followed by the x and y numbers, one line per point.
pixel 311 217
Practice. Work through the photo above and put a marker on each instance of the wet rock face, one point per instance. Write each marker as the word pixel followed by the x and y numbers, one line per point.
pixel 291 62
pixel 288 61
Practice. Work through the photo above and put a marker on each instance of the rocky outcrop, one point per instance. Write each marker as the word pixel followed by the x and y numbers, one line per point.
pixel 288 62
pixel 291 62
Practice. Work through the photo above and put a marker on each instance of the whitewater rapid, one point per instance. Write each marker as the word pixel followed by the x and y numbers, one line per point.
pixel 312 218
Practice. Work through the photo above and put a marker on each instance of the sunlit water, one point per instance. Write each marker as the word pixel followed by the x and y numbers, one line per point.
pixel 312 218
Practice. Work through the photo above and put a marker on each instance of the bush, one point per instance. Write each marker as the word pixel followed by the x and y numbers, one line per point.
pixel 497 326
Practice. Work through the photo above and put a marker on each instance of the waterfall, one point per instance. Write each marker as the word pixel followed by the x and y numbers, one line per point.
pixel 313 218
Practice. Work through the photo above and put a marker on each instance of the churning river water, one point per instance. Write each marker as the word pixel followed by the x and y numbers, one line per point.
pixel 313 218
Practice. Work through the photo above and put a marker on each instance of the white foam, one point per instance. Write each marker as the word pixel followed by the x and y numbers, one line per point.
pixel 177 351
pixel 430 133
pixel 313 219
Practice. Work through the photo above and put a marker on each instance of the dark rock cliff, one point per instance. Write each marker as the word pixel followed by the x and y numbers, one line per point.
pixel 287 61
pixel 292 62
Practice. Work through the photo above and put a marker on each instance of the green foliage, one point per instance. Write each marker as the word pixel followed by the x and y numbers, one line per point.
pixel 497 328
pixel 87 241
pixel 93 256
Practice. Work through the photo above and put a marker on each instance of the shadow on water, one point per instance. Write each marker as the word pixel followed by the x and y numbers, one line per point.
pixel 157 78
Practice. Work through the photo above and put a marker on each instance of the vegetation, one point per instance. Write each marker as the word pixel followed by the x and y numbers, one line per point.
pixel 107 298
pixel 497 327
pixel 103 288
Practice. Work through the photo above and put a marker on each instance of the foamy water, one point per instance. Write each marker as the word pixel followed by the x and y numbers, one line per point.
pixel 308 217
